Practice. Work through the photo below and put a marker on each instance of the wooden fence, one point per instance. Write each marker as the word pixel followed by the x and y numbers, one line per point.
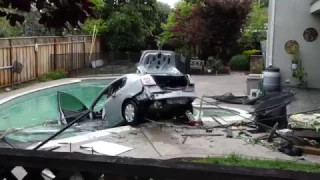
pixel 37 54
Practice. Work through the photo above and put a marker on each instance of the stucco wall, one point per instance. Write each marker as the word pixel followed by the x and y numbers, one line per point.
pixel 292 17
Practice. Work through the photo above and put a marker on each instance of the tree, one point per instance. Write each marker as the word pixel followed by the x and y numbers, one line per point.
pixel 223 22
pixel 6 30
pixel 174 31
pixel 255 29
pixel 212 25
pixel 129 24
pixel 163 11
pixel 53 13
pixel 30 27
pixel 264 3
pixel 99 22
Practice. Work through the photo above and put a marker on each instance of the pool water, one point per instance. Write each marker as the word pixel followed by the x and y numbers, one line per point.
pixel 39 107
pixel 208 112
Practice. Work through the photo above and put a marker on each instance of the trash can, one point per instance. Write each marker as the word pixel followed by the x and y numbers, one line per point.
pixel 271 79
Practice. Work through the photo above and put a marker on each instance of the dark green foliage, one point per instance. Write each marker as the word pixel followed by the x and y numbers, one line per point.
pixel 54 14
pixel 163 11
pixel 240 63
pixel 129 24
pixel 214 26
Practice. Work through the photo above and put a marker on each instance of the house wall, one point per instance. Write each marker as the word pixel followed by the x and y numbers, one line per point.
pixel 292 17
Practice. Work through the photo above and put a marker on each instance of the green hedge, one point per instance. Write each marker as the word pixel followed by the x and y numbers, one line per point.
pixel 251 52
pixel 240 63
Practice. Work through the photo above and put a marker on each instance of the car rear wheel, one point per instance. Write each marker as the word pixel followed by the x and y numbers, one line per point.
pixel 131 113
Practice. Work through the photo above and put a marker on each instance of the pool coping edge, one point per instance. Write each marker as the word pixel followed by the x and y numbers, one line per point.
pixel 71 81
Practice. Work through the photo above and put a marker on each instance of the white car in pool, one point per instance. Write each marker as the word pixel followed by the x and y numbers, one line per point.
pixel 158 91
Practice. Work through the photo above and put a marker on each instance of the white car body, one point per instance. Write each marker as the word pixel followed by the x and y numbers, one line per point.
pixel 158 88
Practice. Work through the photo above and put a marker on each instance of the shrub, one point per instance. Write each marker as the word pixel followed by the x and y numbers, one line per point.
pixel 258 70
pixel 57 74
pixel 223 70
pixel 251 52
pixel 240 63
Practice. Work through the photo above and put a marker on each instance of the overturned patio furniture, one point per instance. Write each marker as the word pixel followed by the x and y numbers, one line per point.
pixel 272 109
pixel 232 99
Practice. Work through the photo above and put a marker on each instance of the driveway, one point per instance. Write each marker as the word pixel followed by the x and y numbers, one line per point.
pixel 218 85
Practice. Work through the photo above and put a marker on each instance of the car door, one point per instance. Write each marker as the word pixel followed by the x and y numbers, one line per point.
pixel 69 108
pixel 113 107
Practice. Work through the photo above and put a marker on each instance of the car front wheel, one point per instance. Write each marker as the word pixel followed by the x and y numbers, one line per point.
pixel 131 113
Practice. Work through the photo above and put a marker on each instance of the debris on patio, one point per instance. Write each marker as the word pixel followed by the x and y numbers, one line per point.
pixel 106 148
pixel 273 128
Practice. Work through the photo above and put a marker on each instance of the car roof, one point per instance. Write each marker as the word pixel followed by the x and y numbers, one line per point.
pixel 131 77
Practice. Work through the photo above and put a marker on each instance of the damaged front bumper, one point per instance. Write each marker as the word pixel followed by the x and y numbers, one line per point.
pixel 156 93
pixel 169 102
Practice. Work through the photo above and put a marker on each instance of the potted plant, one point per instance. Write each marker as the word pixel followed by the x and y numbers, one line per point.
pixel 298 70
pixel 301 75
pixel 295 61
pixel 209 65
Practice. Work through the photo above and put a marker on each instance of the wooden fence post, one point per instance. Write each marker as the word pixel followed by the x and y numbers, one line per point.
pixel 11 63
pixel 72 55
pixel 84 51
pixel 55 54
pixel 36 49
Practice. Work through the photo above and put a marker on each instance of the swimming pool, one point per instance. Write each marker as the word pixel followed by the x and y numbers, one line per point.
pixel 38 107
pixel 41 106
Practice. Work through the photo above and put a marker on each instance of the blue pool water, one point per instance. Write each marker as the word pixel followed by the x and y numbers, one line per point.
pixel 38 107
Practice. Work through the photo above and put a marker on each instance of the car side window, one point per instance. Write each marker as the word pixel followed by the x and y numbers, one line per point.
pixel 108 92
pixel 116 86
pixel 123 82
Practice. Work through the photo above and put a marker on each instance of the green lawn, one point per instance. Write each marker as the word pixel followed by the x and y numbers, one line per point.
pixel 236 160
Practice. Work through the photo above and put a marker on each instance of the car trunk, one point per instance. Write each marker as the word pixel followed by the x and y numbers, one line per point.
pixel 171 82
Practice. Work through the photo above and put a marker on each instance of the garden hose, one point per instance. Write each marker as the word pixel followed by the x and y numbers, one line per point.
pixel 262 90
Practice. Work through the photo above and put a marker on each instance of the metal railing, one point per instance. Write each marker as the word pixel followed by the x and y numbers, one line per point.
pixel 94 167
pixel 5 67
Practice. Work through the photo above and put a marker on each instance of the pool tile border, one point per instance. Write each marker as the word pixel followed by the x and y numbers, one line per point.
pixel 82 138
